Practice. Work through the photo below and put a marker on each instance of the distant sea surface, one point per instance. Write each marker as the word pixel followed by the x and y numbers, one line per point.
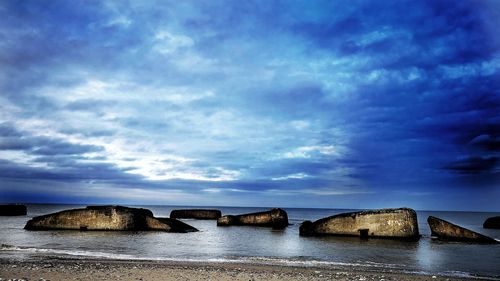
pixel 259 245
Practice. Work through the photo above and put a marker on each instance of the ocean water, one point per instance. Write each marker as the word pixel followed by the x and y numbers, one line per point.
pixel 260 245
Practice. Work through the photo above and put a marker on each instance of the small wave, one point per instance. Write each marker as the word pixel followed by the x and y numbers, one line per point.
pixel 292 262
pixel 310 262
pixel 462 274
pixel 305 262
pixel 5 247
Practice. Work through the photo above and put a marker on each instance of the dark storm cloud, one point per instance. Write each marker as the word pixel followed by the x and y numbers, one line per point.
pixel 14 144
pixel 8 130
pixel 68 170
pixel 486 142
pixel 460 31
pixel 472 165
pixel 465 117
pixel 57 148
pixel 45 146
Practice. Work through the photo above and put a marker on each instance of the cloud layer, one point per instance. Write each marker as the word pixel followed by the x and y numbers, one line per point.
pixel 307 104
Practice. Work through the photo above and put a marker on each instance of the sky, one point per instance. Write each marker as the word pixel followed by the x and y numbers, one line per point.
pixel 322 104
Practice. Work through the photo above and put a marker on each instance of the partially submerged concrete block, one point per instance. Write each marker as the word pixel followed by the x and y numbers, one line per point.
pixel 177 225
pixel 200 214
pixel 448 231
pixel 493 222
pixel 384 223
pixel 13 210
pixel 276 218
pixel 102 218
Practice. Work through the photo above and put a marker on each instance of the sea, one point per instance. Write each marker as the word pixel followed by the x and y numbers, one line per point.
pixel 260 245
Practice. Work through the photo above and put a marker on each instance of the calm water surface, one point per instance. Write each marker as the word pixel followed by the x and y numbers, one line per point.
pixel 255 244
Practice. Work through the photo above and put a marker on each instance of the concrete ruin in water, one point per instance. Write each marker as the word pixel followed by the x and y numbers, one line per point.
pixel 384 223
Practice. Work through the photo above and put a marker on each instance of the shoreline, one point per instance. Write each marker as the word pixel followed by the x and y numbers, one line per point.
pixel 57 268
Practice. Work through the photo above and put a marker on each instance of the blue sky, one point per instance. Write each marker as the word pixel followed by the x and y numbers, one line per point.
pixel 339 104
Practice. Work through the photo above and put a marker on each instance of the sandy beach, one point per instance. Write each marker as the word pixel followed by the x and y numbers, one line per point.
pixel 150 270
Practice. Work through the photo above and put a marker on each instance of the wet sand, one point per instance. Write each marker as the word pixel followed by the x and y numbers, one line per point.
pixel 61 269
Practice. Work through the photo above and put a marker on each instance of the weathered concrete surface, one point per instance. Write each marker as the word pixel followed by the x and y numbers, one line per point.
pixel 276 218
pixel 448 231
pixel 102 218
pixel 177 224
pixel 385 223
pixel 493 222
pixel 13 210
pixel 200 214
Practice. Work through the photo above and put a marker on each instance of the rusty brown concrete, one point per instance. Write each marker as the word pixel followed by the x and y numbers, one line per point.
pixel 384 223
pixel 493 222
pixel 101 218
pixel 176 224
pixel 276 218
pixel 444 230
pixel 200 214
